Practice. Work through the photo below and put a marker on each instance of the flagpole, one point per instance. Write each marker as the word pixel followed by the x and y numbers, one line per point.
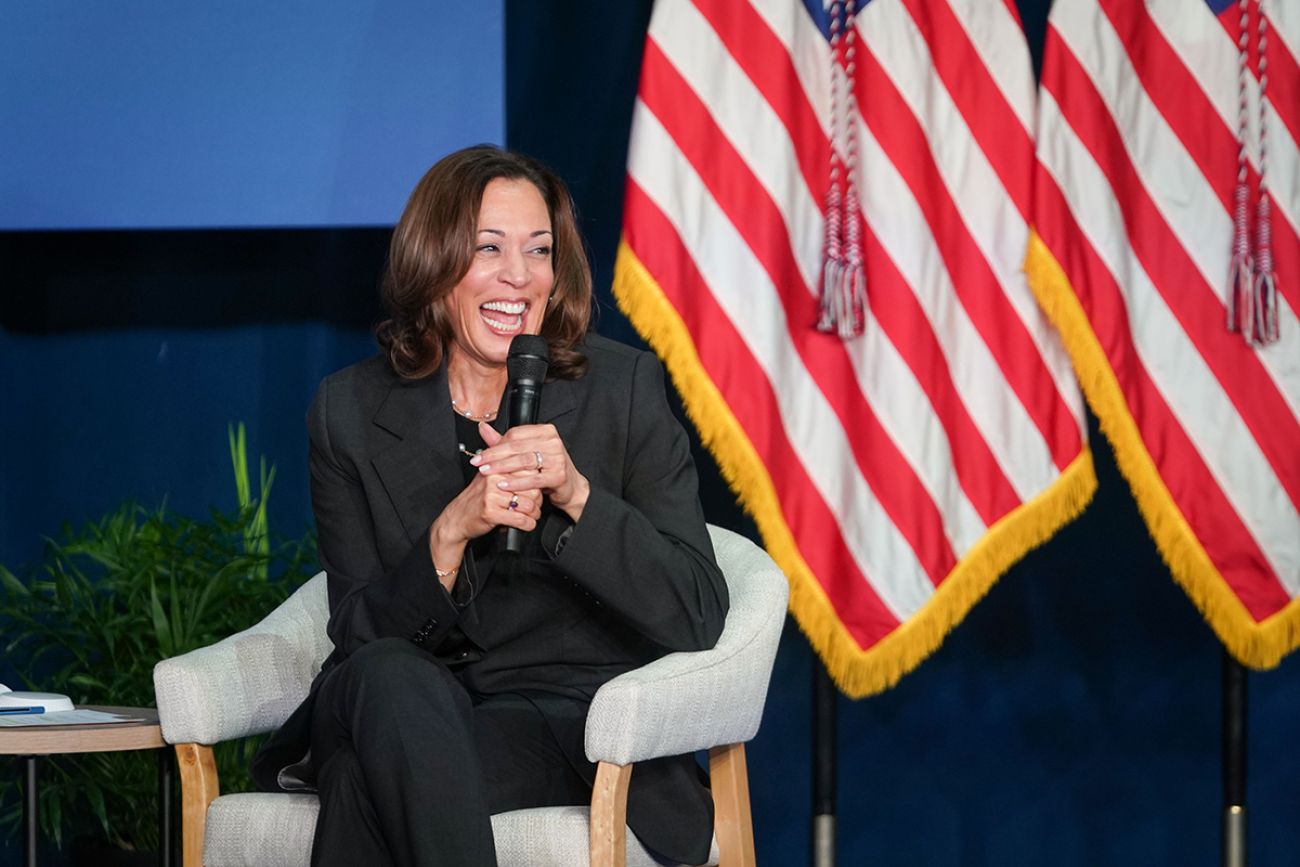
pixel 1234 762
pixel 825 698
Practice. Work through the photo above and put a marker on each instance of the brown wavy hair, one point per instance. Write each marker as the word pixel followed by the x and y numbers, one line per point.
pixel 433 246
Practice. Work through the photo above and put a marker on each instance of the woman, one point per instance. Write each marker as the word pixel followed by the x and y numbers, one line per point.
pixel 460 680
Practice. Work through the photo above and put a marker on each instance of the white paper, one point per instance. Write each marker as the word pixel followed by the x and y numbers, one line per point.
pixel 64 718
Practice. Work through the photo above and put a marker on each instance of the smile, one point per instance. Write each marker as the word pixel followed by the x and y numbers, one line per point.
pixel 504 317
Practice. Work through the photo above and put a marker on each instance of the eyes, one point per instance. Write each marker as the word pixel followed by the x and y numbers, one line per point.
pixel 541 251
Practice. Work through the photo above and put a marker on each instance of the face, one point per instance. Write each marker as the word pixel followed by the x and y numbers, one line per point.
pixel 505 291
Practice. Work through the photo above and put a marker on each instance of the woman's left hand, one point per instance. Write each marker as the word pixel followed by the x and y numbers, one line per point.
pixel 533 458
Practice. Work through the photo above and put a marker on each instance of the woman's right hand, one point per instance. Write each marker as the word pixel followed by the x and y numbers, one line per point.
pixel 475 511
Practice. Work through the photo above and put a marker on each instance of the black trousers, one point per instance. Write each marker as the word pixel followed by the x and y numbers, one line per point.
pixel 410 768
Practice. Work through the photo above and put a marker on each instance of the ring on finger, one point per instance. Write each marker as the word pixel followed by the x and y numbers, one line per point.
pixel 514 502
pixel 538 456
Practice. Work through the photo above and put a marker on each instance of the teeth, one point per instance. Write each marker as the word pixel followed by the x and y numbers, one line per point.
pixel 512 307
pixel 516 323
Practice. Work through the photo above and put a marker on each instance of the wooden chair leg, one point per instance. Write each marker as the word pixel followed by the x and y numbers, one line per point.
pixel 731 820
pixel 608 820
pixel 199 787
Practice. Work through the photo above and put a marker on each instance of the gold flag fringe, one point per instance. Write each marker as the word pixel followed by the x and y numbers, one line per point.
pixel 856 671
pixel 1260 645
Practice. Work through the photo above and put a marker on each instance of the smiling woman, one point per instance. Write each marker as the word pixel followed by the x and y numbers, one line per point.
pixel 462 675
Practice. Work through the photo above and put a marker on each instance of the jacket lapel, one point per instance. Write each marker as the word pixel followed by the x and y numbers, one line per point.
pixel 421 471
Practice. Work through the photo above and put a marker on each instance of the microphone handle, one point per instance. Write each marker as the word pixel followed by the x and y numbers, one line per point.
pixel 515 540
pixel 524 401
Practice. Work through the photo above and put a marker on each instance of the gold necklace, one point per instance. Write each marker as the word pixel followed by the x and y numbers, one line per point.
pixel 486 416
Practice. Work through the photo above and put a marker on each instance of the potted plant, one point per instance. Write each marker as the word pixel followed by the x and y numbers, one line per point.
pixel 108 600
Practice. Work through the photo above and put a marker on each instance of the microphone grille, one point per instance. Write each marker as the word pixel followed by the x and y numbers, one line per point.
pixel 529 358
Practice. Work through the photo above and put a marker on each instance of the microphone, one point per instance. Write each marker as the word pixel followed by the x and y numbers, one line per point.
pixel 526 365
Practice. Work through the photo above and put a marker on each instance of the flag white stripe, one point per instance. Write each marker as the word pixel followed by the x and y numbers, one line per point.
pixel 748 122
pixel 739 283
pixel 1175 367
pixel 988 215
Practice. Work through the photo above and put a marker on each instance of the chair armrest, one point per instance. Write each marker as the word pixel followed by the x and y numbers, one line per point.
pixel 251 681
pixel 692 701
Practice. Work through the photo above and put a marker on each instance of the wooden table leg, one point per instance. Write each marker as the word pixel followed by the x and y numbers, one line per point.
pixel 166 763
pixel 31 812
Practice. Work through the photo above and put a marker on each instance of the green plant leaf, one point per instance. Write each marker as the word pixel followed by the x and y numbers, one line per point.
pixel 52 814
pixel 87 681
pixel 161 628
pixel 12 584
pixel 239 460
pixel 95 795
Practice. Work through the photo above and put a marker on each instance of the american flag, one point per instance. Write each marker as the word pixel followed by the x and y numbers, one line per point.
pixel 1140 119
pixel 893 475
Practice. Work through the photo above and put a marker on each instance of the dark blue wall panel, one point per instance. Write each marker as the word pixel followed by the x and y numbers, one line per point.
pixel 93 418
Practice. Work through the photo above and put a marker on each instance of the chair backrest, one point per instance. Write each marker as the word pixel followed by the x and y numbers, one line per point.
pixel 249 682
pixel 691 701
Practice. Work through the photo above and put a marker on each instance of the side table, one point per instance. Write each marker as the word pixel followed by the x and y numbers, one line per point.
pixel 32 742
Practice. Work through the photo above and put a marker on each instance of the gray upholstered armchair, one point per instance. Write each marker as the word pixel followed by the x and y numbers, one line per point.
pixel 684 702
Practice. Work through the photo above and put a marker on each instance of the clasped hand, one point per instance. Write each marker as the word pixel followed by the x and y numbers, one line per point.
pixel 531 461
pixel 517 471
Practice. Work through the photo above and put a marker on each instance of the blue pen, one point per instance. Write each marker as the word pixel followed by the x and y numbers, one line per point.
pixel 6 711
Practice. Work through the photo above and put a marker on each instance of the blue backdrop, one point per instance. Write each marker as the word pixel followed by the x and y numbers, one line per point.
pixel 241 113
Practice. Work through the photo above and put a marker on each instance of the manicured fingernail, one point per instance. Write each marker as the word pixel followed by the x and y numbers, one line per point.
pixel 503 485
pixel 475 461
pixel 485 469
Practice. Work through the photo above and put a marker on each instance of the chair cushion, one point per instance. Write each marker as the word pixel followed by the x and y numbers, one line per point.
pixel 260 830
pixel 275 830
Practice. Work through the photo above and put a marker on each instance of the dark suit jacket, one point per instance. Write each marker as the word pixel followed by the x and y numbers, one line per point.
pixel 633 580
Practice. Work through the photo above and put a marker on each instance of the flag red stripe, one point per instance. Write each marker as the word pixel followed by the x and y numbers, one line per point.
pixel 1005 142
pixel 973 281
pixel 748 394
pixel 1189 298
pixel 1195 491
pixel 756 217
pixel 900 316
pixel 767 63
pixel 1194 120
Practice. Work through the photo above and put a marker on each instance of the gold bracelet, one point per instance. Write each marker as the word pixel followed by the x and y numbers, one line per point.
pixel 443 573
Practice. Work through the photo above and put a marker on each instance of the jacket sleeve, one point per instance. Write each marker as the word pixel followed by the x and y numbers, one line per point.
pixel 646 555
pixel 366 600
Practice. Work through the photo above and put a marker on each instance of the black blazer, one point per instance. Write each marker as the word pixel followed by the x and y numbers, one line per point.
pixel 634 579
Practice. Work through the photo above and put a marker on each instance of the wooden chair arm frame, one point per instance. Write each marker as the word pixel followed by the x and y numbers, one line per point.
pixel 608 820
